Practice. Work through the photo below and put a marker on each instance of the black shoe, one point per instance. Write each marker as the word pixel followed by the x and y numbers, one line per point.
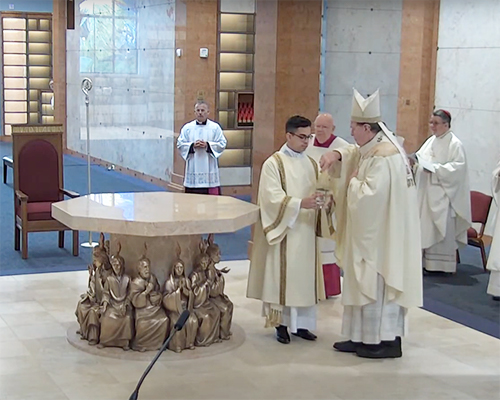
pixel 393 343
pixel 390 349
pixel 496 298
pixel 282 335
pixel 437 273
pixel 305 334
pixel 347 346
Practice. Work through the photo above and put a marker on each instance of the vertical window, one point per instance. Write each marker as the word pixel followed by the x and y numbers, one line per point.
pixel 108 37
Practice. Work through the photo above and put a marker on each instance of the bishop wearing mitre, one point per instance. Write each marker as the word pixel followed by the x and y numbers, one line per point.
pixel 377 235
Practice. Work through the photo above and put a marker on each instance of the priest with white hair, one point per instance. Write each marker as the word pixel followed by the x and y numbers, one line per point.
pixel 378 234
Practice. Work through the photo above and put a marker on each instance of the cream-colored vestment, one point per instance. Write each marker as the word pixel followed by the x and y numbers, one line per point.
pixel 285 265
pixel 494 256
pixel 378 240
pixel 444 201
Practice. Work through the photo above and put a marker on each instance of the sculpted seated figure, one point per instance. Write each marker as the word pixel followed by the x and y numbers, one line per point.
pixel 178 297
pixel 117 321
pixel 100 259
pixel 87 311
pixel 216 284
pixel 207 313
pixel 151 321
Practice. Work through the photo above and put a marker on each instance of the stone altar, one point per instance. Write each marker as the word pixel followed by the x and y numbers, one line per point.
pixel 156 223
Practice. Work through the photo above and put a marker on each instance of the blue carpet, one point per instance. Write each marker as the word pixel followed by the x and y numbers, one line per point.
pixel 461 297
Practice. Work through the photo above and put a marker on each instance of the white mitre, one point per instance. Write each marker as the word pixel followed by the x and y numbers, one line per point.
pixel 368 111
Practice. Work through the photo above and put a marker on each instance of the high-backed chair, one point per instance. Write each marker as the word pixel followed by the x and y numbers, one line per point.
pixel 38 182
pixel 480 207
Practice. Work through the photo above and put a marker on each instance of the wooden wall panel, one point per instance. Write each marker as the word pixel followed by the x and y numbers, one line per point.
pixel 287 66
pixel 298 62
pixel 264 87
pixel 417 70
pixel 59 22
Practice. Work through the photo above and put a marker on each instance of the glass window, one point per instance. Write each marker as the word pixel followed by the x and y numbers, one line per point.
pixel 108 37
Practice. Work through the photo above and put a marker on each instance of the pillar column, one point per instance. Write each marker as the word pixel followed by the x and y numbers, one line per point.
pixel 417 79
pixel 59 22
pixel 287 65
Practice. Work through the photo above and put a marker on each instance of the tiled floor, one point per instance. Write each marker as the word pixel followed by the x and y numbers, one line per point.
pixel 442 360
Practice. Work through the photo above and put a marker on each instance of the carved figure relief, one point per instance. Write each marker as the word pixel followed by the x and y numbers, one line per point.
pixel 117 321
pixel 138 313
pixel 151 321
pixel 177 297
pixel 217 283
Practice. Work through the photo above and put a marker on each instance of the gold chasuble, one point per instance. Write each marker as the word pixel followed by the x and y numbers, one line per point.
pixel 378 230
pixel 285 265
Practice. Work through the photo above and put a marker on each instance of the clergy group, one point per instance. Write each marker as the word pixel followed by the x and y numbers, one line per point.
pixel 368 209
pixel 383 219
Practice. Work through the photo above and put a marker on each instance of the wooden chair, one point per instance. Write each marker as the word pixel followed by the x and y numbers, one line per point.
pixel 38 182
pixel 480 207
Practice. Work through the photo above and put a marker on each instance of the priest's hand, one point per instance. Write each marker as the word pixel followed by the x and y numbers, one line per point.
pixel 328 159
pixel 309 203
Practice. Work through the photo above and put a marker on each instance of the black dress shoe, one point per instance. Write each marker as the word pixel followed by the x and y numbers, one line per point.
pixel 393 343
pixel 382 350
pixel 282 335
pixel 347 346
pixel 437 273
pixel 305 334
pixel 496 298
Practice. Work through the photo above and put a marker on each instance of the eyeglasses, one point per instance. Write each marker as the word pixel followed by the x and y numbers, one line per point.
pixel 301 137
pixel 435 123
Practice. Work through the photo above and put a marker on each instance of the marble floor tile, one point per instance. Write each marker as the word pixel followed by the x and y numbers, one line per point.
pixel 20 307
pixel 11 349
pixel 35 385
pixel 37 331
pixel 15 296
pixel 18 365
pixel 7 335
pixel 442 359
pixel 42 317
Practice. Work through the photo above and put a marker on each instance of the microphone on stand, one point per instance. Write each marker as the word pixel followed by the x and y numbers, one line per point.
pixel 177 327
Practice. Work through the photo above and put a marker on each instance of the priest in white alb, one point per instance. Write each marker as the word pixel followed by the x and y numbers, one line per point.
pixel 324 140
pixel 494 256
pixel 378 234
pixel 285 266
pixel 201 143
pixel 442 182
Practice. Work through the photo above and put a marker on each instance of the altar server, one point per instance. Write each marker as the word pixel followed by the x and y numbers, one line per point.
pixel 201 142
